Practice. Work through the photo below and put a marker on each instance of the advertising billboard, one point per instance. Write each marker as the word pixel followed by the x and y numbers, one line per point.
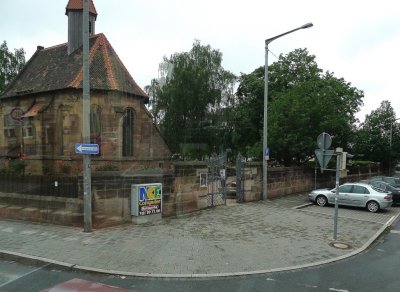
pixel 146 199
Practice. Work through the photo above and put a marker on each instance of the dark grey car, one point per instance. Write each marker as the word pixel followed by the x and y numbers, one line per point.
pixel 388 188
pixel 394 181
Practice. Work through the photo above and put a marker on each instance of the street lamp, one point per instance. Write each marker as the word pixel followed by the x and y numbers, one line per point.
pixel 265 154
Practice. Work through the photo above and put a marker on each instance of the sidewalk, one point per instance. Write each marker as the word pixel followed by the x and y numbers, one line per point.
pixel 224 241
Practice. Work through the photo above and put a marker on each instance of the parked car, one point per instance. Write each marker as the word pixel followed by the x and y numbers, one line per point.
pixel 386 187
pixel 354 194
pixel 394 181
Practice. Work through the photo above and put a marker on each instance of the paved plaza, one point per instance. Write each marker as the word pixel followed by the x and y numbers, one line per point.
pixel 228 240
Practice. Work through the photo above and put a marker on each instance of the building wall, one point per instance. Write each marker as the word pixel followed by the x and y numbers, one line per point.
pixel 58 127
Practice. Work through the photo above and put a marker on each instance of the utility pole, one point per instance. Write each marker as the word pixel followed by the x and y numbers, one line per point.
pixel 87 179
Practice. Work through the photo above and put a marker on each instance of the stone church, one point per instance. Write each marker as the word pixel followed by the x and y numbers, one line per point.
pixel 41 110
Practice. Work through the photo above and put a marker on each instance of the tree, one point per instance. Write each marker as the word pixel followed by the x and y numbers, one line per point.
pixel 247 115
pixel 377 138
pixel 302 103
pixel 10 64
pixel 188 99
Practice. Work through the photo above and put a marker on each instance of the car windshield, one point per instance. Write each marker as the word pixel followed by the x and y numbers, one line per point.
pixel 390 180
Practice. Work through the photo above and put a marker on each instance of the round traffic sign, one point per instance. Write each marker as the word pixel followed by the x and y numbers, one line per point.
pixel 324 141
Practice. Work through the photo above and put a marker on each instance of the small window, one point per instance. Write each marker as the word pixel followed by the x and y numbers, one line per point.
pixel 9 127
pixel 360 190
pixel 27 128
pixel 379 185
pixel 345 189
pixel 28 132
pixel 9 132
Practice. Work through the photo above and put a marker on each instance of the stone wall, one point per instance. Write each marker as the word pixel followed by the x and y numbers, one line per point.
pixel 182 192
pixel 284 181
pixel 111 193
pixel 189 195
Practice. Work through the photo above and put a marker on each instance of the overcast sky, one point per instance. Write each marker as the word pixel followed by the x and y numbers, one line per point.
pixel 357 40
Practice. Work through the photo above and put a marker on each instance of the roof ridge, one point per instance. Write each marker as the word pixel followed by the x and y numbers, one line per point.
pixel 66 43
pixel 53 69
pixel 55 47
pixel 126 70
pixel 79 76
pixel 107 60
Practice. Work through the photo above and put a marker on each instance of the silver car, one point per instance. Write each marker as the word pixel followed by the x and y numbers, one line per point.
pixel 354 194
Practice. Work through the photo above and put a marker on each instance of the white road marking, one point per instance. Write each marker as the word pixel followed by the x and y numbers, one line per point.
pixel 338 290
pixel 23 275
pixel 395 231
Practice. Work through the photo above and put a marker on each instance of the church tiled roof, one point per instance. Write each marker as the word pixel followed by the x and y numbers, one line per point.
pixel 78 5
pixel 52 69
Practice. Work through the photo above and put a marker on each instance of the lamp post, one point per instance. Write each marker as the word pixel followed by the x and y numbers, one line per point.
pixel 265 165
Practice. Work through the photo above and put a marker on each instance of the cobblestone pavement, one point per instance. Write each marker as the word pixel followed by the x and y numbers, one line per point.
pixel 241 238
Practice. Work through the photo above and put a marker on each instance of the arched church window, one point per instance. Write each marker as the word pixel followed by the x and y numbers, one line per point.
pixel 127 135
pixel 95 126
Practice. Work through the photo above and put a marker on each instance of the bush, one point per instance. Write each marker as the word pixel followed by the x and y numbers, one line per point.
pixel 65 169
pixel 362 162
pixel 107 167
pixel 17 166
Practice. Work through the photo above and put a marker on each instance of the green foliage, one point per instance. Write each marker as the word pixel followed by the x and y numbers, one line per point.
pixel 107 167
pixel 187 100
pixel 46 169
pixel 362 162
pixel 65 169
pixel 247 115
pixel 16 166
pixel 10 64
pixel 302 103
pixel 377 139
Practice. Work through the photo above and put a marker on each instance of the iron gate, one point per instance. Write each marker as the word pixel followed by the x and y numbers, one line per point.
pixel 216 183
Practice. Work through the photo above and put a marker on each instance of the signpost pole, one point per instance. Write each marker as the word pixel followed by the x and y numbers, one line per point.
pixel 335 220
pixel 87 179
pixel 323 155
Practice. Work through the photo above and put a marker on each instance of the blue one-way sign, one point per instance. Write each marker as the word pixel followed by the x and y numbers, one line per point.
pixel 86 148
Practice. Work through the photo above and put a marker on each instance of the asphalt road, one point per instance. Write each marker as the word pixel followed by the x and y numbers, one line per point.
pixel 374 270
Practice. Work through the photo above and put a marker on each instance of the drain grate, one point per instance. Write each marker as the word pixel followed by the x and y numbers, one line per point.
pixel 340 245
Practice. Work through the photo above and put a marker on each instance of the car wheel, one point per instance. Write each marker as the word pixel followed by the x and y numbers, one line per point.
pixel 373 206
pixel 321 201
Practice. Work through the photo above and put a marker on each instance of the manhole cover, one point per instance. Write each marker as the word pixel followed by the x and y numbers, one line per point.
pixel 340 245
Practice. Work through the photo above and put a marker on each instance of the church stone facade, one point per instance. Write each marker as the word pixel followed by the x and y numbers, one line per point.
pixel 41 110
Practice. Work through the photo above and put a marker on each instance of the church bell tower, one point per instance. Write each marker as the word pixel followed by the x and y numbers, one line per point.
pixel 74 11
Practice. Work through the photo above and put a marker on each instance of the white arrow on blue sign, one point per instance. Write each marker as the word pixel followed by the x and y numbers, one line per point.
pixel 86 148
